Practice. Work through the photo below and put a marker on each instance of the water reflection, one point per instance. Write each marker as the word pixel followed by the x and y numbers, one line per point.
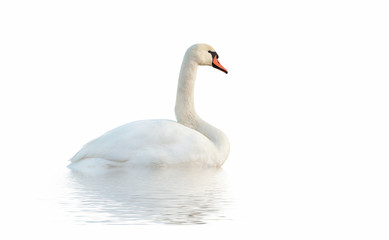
pixel 147 196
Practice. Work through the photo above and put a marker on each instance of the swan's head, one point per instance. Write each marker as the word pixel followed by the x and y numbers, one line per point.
pixel 204 54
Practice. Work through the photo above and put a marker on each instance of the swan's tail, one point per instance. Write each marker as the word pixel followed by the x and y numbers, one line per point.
pixel 79 155
pixel 94 165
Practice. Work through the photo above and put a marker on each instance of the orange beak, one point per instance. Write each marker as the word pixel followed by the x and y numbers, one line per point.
pixel 216 64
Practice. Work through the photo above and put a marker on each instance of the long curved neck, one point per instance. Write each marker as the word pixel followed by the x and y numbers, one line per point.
pixel 185 109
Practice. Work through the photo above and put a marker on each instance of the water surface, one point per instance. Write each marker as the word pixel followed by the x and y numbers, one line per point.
pixel 147 196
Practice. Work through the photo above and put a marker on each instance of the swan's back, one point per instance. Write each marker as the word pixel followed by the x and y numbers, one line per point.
pixel 148 143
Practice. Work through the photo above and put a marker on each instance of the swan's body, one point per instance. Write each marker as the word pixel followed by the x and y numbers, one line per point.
pixel 189 141
pixel 150 142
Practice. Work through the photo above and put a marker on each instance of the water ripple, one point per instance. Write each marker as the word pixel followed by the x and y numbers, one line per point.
pixel 148 196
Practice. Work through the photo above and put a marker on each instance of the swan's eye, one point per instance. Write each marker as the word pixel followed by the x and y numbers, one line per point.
pixel 214 54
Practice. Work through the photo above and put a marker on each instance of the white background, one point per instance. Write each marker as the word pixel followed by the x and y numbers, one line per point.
pixel 305 103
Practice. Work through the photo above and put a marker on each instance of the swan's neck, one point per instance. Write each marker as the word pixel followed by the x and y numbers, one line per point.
pixel 185 109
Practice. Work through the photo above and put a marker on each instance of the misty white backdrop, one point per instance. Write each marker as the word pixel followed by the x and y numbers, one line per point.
pixel 305 102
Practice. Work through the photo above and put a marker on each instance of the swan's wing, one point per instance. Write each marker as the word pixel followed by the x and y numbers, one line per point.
pixel 149 140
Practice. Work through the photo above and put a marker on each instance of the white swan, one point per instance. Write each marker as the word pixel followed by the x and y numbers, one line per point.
pixel 189 141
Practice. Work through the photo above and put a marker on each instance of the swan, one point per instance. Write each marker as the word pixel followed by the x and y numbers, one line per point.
pixel 189 141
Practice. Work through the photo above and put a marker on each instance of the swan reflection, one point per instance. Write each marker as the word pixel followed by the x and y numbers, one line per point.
pixel 149 196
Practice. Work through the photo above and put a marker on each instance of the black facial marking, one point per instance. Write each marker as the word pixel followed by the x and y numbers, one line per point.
pixel 213 54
